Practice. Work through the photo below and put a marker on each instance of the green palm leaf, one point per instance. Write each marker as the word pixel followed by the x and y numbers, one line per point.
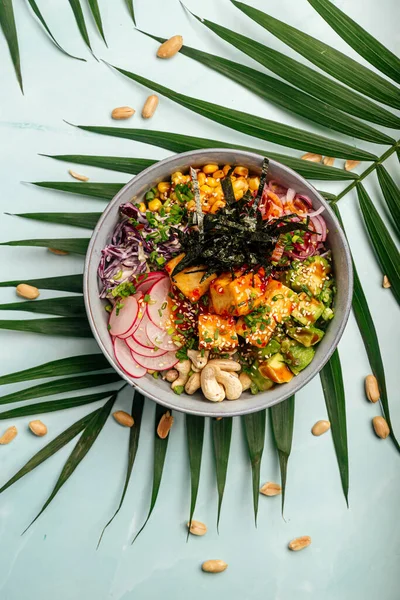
pixel 256 126
pixel 94 7
pixel 51 448
pixel 254 428
pixel 7 24
pixel 65 283
pixel 60 386
pixel 84 444
pixel 287 97
pixel 80 21
pixel 282 421
pixel 183 143
pixel 73 365
pixel 222 435
pixel 195 438
pixel 39 15
pixel 332 385
pixel 307 79
pixel 160 451
pixel 360 40
pixel 112 163
pixel 84 220
pixel 104 191
pixel 129 4
pixel 385 249
pixel 391 193
pixel 63 307
pixel 74 245
pixel 63 326
pixel 134 433
pixel 328 59
pixel 41 408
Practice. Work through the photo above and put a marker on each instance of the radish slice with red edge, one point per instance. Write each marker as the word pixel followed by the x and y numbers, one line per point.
pixel 145 281
pixel 159 337
pixel 142 350
pixel 160 363
pixel 158 309
pixel 123 316
pixel 126 361
pixel 140 335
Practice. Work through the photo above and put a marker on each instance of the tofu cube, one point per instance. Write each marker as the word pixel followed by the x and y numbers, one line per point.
pixel 217 332
pixel 189 281
pixel 238 296
pixel 280 300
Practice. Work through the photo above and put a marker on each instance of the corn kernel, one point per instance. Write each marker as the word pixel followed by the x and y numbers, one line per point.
pixel 206 189
pixel 167 208
pixel 217 205
pixel 210 181
pixel 191 205
pixel 174 197
pixel 201 178
pixel 240 184
pixel 254 183
pixel 177 177
pixel 218 193
pixel 164 186
pixel 226 169
pixel 142 207
pixel 210 169
pixel 241 171
pixel 219 174
pixel 155 205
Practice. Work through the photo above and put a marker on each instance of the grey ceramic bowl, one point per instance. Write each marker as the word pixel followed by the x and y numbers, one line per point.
pixel 159 390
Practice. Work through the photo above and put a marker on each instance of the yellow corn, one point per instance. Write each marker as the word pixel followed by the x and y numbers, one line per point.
pixel 164 186
pixel 254 183
pixel 210 169
pixel 155 205
pixel 178 177
pixel 226 169
pixel 191 205
pixel 206 189
pixel 217 205
pixel 174 197
pixel 142 207
pixel 167 208
pixel 241 171
pixel 219 174
pixel 201 178
pixel 210 181
pixel 240 186
pixel 218 192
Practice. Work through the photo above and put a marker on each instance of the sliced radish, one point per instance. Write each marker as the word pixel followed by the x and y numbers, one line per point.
pixel 145 282
pixel 126 361
pixel 157 308
pixel 160 363
pixel 159 337
pixel 140 335
pixel 122 322
pixel 142 350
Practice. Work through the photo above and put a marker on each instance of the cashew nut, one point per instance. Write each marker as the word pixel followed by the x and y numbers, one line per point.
pixel 198 360
pixel 171 375
pixel 245 381
pixel 232 385
pixel 193 384
pixel 183 368
pixel 211 388
pixel 225 364
pixel 195 369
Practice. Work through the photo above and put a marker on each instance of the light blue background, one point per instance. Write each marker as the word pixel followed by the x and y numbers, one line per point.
pixel 355 552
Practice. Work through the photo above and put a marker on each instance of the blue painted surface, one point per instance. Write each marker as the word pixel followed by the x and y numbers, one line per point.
pixel 354 554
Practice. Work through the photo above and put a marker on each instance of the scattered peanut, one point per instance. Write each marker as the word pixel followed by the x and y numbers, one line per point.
pixel 8 435
pixel 312 157
pixel 171 47
pixel 122 112
pixel 78 176
pixel 218 418
pixel 328 161
pixel 320 427
pixel 300 543
pixel 150 106
pixel 123 418
pixel 349 165
pixel 371 388
pixel 197 528
pixel 386 283
pixel 381 427
pixel 27 291
pixel 165 425
pixel 271 489
pixel 214 566
pixel 171 375
pixel 58 252
pixel 38 428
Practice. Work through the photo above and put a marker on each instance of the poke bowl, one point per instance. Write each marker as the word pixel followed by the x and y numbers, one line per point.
pixel 218 282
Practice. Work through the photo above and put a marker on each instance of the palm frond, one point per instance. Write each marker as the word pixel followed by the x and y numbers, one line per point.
pixel 73 245
pixel 7 24
pixel 80 21
pixel 121 164
pixel 129 4
pixel 94 7
pixel 64 283
pixel 62 326
pixel 104 191
pixel 195 437
pixel 83 220
pixel 391 193
pixel 282 422
pixel 62 307
pixel 254 428
pixel 222 435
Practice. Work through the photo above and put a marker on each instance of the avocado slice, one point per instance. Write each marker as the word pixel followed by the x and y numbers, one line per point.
pixel 275 368
pixel 309 275
pixel 296 356
pixel 307 336
pixel 327 314
pixel 308 310
pixel 272 347
pixel 259 381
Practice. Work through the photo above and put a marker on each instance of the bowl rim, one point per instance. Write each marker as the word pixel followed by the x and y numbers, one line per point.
pixel 193 154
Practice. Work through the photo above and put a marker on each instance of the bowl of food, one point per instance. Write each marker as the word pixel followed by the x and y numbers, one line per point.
pixel 218 282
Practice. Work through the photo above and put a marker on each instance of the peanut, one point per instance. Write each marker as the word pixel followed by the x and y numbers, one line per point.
pixel 371 388
pixel 386 283
pixel 349 165
pixel 123 418
pixel 122 112
pixel 320 427
pixel 328 161
pixel 8 435
pixel 27 291
pixel 214 566
pixel 197 528
pixel 78 176
pixel 171 47
pixel 271 489
pixel 312 157
pixel 381 427
pixel 165 425
pixel 150 106
pixel 38 428
pixel 300 543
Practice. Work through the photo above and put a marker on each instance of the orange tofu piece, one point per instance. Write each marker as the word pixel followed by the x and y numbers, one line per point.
pixel 189 281
pixel 238 296
pixel 280 299
pixel 217 332
pixel 257 336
